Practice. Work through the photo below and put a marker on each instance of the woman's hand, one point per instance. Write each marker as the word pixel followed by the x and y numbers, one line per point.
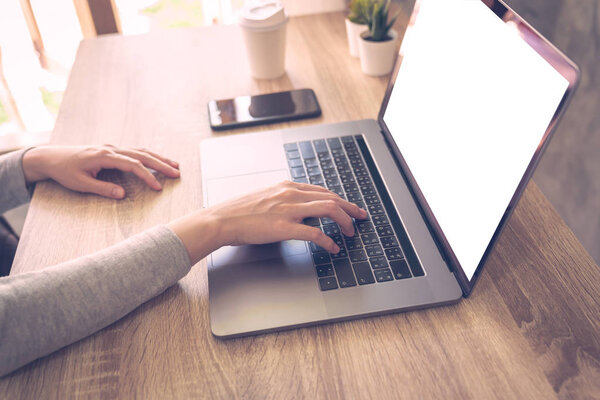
pixel 270 215
pixel 76 167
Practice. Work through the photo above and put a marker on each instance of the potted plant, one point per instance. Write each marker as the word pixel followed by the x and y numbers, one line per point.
pixel 357 22
pixel 377 46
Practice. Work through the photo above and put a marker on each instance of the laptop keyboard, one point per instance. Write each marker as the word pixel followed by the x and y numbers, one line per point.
pixel 374 253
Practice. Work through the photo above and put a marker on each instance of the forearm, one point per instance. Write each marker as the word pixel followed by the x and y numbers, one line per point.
pixel 43 311
pixel 13 187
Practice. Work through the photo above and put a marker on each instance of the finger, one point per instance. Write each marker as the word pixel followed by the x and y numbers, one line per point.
pixel 106 189
pixel 315 235
pixel 350 208
pixel 327 208
pixel 172 163
pixel 151 162
pixel 308 187
pixel 128 164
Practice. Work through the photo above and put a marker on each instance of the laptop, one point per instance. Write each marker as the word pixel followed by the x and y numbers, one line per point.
pixel 469 109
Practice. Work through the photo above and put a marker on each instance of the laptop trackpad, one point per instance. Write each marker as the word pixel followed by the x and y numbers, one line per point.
pixel 223 189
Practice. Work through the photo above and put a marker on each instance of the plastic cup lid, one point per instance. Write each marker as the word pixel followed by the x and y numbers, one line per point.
pixel 266 15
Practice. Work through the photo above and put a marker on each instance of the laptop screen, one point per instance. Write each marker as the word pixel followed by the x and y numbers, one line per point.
pixel 470 106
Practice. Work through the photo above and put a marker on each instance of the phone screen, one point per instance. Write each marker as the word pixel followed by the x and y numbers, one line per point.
pixel 265 108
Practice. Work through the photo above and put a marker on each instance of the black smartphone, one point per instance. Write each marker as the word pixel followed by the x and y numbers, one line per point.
pixel 263 109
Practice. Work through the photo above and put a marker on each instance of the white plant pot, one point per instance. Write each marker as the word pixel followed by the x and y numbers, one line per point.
pixel 377 58
pixel 353 30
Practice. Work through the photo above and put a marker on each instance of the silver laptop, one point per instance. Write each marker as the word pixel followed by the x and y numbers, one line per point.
pixel 470 106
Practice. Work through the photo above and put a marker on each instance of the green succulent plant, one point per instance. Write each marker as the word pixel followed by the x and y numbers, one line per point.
pixel 360 11
pixel 378 23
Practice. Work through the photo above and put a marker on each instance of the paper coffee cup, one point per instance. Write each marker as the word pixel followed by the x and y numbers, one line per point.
pixel 263 26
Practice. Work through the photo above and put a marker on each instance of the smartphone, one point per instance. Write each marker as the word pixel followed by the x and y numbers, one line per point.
pixel 263 109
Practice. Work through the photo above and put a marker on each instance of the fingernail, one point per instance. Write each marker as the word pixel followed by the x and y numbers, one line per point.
pixel 117 193
pixel 174 163
pixel 335 249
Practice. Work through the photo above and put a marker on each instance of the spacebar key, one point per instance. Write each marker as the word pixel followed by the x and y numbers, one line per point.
pixel 343 270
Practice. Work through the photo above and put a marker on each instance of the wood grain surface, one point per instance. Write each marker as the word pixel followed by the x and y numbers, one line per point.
pixel 529 330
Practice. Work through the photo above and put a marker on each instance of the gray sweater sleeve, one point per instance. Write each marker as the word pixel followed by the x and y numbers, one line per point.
pixel 13 190
pixel 42 311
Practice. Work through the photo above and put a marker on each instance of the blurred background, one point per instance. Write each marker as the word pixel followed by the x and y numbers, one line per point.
pixel 39 41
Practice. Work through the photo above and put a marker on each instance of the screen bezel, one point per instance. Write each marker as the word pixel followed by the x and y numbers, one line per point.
pixel 555 58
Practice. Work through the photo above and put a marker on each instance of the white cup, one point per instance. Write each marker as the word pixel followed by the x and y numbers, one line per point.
pixel 263 25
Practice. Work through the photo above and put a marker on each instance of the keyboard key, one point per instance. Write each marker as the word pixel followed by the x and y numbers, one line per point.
pixel 295 162
pixel 367 190
pixel 342 254
pixel 364 276
pixel 337 239
pixel 350 187
pixel 352 197
pixel 331 229
pixel 400 269
pixel 384 230
pixel 347 139
pixel 372 199
pixel 347 178
pixel 344 273
pixel 364 227
pixel 321 146
pixel 389 241
pixel 300 180
pixel 328 283
pixel 317 180
pixel 298 172
pixel 311 162
pixel 325 270
pixel 332 182
pixel 330 173
pixel 394 253
pixel 327 164
pixel 337 152
pixel 378 262
pixel 307 150
pixel 376 209
pixel 363 180
pixel 293 154
pixel 353 243
pixel 383 275
pixel 370 238
pixel 341 160
pixel 290 146
pixel 334 143
pixel 311 221
pixel 343 169
pixel 321 258
pixel 326 220
pixel 374 250
pixel 315 248
pixel 358 255
pixel 324 157
pixel 313 171
pixel 380 219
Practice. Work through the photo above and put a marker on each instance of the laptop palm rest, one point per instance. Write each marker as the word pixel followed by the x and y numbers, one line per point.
pixel 223 189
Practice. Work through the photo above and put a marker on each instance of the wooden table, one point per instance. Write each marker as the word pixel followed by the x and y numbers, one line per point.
pixel 531 328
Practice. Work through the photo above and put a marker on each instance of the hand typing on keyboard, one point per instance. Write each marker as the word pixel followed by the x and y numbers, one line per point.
pixel 270 215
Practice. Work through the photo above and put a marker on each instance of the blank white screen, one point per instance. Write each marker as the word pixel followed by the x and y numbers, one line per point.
pixel 470 105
